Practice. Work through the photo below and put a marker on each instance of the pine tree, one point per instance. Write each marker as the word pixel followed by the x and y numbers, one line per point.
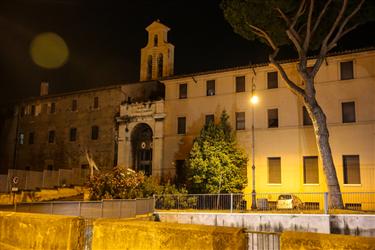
pixel 215 163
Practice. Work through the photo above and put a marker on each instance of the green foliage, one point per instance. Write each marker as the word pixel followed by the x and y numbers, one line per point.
pixel 122 183
pixel 264 15
pixel 215 163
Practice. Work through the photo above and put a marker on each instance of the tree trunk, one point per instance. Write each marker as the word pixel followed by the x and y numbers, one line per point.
pixel 322 141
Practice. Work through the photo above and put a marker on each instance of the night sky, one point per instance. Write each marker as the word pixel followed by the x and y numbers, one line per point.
pixel 104 39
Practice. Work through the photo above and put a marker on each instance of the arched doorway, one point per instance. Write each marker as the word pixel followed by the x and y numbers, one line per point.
pixel 141 141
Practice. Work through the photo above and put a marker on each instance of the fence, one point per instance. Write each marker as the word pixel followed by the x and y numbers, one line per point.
pixel 263 240
pixel 30 180
pixel 89 209
pixel 310 202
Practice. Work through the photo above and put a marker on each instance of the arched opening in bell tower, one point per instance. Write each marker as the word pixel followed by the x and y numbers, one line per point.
pixel 160 65
pixel 141 141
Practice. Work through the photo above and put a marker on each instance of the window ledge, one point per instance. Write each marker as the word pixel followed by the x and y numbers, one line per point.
pixel 311 184
pixel 274 184
pixel 352 185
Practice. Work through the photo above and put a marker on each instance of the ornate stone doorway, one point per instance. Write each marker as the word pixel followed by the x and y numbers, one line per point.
pixel 141 143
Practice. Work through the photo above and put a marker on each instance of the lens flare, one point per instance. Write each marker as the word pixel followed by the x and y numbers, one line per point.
pixel 49 50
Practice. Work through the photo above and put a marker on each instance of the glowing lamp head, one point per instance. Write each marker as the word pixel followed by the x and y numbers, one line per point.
pixel 254 99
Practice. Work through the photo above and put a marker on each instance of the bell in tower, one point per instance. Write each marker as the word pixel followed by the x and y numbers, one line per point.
pixel 157 57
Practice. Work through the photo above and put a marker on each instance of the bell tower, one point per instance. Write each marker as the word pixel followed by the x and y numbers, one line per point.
pixel 157 58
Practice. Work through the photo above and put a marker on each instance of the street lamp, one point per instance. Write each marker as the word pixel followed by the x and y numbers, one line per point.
pixel 254 100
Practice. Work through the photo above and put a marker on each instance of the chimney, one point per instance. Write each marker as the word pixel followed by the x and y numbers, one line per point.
pixel 43 88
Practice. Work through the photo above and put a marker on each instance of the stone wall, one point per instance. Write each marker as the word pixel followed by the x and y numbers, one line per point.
pixel 294 240
pixel 129 234
pixel 37 231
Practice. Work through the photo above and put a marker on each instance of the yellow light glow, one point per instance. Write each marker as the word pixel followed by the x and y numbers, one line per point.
pixel 49 50
pixel 254 99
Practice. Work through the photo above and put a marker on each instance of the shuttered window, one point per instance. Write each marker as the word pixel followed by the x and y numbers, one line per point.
pixel 352 173
pixel 346 70
pixel 210 87
pixel 273 118
pixel 272 80
pixel 240 84
pixel 310 170
pixel 181 125
pixel 306 118
pixel 274 170
pixel 240 120
pixel 348 112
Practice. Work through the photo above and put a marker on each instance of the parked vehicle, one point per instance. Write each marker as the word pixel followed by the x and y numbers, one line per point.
pixel 289 201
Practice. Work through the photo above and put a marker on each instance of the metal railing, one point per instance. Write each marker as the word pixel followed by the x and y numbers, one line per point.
pixel 279 202
pixel 88 209
pixel 263 240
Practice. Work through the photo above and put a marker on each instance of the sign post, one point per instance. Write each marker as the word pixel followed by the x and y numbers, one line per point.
pixel 15 181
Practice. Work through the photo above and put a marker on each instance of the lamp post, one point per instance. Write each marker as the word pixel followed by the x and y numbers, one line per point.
pixel 254 100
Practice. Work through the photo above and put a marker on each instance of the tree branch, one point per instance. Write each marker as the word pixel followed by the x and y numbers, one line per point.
pixel 339 33
pixel 262 33
pixel 308 27
pixel 317 22
pixel 290 84
pixel 333 28
pixel 301 10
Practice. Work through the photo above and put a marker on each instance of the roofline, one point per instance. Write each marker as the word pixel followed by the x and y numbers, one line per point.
pixel 249 66
pixel 77 92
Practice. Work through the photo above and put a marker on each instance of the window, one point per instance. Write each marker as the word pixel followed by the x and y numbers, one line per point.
pixel 181 125
pixel 51 136
pixel 183 91
pixel 31 138
pixel 310 170
pixel 273 118
pixel 346 70
pixel 73 134
pixel 210 86
pixel 84 171
pixel 160 65
pixel 94 132
pixel 53 108
pixel 74 105
pixel 44 108
pixel 240 120
pixel 240 84
pixel 272 80
pixel 306 118
pixel 33 110
pixel 210 119
pixel 21 138
pixel 23 111
pixel 274 170
pixel 49 167
pixel 155 40
pixel 149 67
pixel 348 112
pixel 96 102
pixel 351 169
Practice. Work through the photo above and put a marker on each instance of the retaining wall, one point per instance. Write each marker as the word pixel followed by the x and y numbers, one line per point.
pixel 129 234
pixel 39 231
pixel 350 224
pixel 298 240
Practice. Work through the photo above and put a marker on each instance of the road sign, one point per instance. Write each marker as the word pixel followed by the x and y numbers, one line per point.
pixel 15 180
pixel 14 189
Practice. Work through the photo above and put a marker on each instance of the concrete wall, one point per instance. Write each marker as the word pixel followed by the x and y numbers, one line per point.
pixel 293 240
pixel 126 234
pixel 37 231
pixel 356 224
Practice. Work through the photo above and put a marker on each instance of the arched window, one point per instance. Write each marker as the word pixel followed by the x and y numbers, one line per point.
pixel 160 65
pixel 155 40
pixel 149 67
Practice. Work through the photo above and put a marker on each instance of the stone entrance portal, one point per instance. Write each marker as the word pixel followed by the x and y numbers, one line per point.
pixel 141 143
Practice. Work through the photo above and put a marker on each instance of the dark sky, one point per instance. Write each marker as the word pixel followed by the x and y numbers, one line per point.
pixel 105 37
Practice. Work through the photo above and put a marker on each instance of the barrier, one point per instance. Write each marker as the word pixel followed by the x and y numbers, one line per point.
pixel 39 231
pixel 129 234
pixel 299 240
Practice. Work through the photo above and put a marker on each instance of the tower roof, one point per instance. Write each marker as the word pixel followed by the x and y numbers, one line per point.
pixel 157 25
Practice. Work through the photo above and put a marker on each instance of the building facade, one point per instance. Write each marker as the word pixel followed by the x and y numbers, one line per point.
pixel 150 125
